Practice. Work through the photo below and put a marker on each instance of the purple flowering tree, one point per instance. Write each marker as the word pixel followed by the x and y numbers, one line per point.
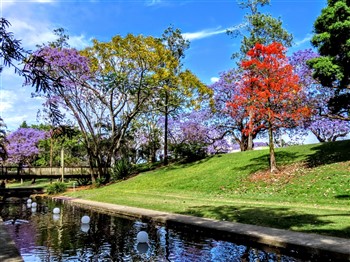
pixel 149 137
pixel 324 128
pixel 327 130
pixel 194 135
pixel 104 88
pixel 229 121
pixel 22 147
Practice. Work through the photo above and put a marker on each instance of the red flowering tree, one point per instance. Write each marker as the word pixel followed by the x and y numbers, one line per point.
pixel 270 92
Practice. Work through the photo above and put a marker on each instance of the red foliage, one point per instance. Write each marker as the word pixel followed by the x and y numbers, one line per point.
pixel 270 91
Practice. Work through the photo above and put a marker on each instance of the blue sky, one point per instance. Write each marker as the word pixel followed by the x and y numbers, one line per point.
pixel 203 22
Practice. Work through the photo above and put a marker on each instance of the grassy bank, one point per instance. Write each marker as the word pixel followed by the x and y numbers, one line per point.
pixel 310 194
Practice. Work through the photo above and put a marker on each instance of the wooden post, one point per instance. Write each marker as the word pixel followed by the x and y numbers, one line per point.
pixel 62 164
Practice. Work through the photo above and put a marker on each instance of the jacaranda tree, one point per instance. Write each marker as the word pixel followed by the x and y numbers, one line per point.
pixel 318 97
pixel 271 93
pixel 194 135
pixel 23 144
pixel 228 121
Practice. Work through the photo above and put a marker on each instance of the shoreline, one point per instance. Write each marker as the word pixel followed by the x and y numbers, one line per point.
pixel 291 243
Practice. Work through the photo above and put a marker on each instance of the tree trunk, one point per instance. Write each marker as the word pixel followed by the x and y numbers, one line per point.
pixel 243 143
pixel 250 142
pixel 166 129
pixel 250 135
pixel 319 138
pixel 91 164
pixel 153 155
pixel 273 166
pixel 51 152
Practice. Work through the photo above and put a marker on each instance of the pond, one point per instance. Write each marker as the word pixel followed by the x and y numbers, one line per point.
pixel 41 235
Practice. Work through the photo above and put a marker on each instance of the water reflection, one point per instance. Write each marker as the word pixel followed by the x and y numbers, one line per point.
pixel 45 236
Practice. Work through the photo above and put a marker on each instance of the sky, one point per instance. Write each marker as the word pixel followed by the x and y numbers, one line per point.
pixel 202 22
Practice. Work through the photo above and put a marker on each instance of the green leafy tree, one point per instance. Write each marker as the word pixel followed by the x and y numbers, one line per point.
pixel 332 68
pixel 177 46
pixel 10 48
pixel 259 28
pixel 50 149
pixel 182 87
pixel 104 88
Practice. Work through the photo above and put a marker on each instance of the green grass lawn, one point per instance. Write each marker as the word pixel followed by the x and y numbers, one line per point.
pixel 41 182
pixel 310 194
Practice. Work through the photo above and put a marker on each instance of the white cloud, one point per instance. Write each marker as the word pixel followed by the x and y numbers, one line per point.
pixel 306 39
pixel 79 42
pixel 210 32
pixel 17 105
pixel 4 4
pixel 36 33
pixel 214 79
pixel 7 100
pixel 13 123
pixel 31 33
pixel 203 34
pixel 153 2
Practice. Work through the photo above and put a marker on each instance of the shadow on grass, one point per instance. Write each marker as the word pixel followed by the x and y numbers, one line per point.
pixel 329 153
pixel 342 197
pixel 282 218
pixel 185 163
pixel 263 163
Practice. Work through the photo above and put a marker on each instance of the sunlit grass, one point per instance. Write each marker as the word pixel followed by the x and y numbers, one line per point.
pixel 310 194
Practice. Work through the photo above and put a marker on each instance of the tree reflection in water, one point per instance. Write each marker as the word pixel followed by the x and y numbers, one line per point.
pixel 44 236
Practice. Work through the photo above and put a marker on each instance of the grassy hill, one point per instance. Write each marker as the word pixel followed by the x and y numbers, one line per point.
pixel 311 193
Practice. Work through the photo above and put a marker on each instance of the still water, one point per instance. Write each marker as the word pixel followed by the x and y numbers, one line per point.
pixel 41 235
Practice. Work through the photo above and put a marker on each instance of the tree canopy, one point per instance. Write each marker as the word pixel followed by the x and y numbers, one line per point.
pixel 10 48
pixel 270 92
pixel 23 146
pixel 231 121
pixel 332 67
pixel 318 96
pixel 260 28
pixel 106 86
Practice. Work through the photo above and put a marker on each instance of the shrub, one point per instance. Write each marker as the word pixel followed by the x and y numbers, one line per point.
pixel 121 169
pixel 83 181
pixel 99 182
pixel 144 167
pixel 56 188
pixel 188 152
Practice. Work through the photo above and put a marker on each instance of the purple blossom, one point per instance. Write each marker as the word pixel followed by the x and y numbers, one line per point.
pixel 70 67
pixel 22 145
pixel 298 61
pixel 327 130
pixel 227 120
pixel 197 127
pixel 321 126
